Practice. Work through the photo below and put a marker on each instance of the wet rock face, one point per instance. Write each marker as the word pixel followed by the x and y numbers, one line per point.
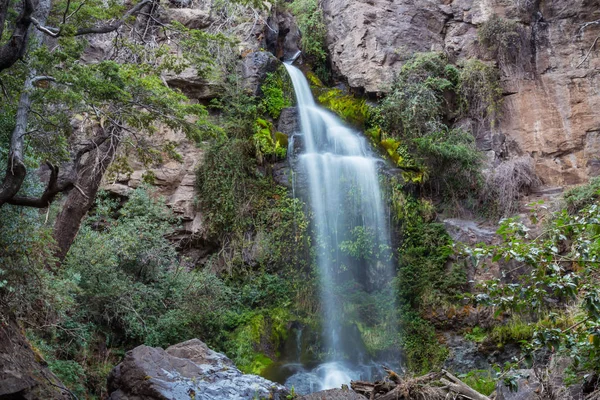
pixel 552 93
pixel 188 370
pixel 282 35
pixel 23 374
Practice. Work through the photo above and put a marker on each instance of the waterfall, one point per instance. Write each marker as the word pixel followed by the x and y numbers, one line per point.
pixel 351 230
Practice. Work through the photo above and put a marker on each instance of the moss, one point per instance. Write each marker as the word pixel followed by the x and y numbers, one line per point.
pixel 346 106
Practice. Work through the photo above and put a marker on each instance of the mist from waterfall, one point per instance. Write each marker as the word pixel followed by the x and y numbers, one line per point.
pixel 350 218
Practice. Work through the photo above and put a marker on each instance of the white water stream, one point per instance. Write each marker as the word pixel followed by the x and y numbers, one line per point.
pixel 346 199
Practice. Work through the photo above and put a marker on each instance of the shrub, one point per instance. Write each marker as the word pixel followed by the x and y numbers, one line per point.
pixel 414 105
pixel 311 22
pixel 480 92
pixel 277 92
pixel 582 196
pixel 506 184
pixel 507 42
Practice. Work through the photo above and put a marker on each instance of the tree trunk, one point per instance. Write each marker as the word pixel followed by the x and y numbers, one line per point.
pixel 15 168
pixel 90 171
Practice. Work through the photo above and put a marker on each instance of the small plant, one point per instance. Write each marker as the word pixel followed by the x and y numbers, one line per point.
pixel 480 380
pixel 507 42
pixel 477 335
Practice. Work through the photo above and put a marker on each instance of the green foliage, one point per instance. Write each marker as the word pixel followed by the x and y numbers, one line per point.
pixel 277 92
pixel 423 255
pixel 582 196
pixel 559 269
pixel 309 16
pixel 415 103
pixel 499 35
pixel 348 107
pixel 413 123
pixel 479 91
pixel 480 380
pixel 476 335
pixel 311 22
pixel 421 349
pixel 266 141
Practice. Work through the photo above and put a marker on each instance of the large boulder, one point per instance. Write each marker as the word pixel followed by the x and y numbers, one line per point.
pixel 189 370
pixel 24 374
pixel 191 18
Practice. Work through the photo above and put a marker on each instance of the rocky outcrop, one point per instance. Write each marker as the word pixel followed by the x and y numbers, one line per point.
pixel 369 40
pixel 255 67
pixel 175 180
pixel 188 370
pixel 24 375
pixel 551 92
pixel 282 34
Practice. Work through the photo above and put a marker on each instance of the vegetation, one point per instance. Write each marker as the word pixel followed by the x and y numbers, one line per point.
pixel 507 42
pixel 311 22
pixel 558 274
pixel 414 123
pixel 277 92
pixel 582 196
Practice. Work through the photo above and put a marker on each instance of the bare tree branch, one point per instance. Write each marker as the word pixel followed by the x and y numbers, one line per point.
pixel 17 44
pixel 105 28
pixel 52 189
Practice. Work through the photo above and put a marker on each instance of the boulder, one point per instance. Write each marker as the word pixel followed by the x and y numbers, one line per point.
pixel 466 231
pixel 282 35
pixel 189 370
pixel 189 17
pixel 255 67
pixel 24 374
pixel 192 85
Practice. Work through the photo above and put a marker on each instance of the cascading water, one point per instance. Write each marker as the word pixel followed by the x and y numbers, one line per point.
pixel 352 238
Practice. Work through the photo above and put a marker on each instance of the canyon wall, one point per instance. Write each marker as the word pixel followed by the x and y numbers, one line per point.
pixel 552 93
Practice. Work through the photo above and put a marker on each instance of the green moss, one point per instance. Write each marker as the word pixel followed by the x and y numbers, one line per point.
pixel 348 107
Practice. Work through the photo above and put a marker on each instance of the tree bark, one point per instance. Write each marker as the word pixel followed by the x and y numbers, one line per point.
pixel 14 49
pixel 15 168
pixel 90 171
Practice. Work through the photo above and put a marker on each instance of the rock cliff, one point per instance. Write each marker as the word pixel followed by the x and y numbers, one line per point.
pixel 552 93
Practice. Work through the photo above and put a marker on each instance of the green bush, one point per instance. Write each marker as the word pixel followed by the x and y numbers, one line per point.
pixel 505 40
pixel 582 196
pixel 479 90
pixel 277 92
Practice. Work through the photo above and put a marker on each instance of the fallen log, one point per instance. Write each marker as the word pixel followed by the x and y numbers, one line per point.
pixel 457 386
